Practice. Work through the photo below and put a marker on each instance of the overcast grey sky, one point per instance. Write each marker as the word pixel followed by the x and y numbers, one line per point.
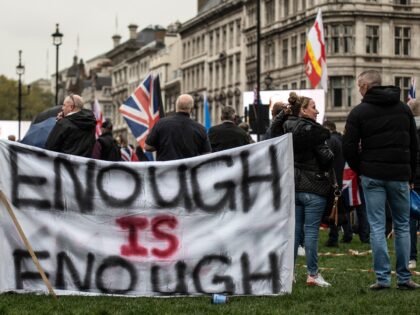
pixel 28 25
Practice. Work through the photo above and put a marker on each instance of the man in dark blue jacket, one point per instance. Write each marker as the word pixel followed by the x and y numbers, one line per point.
pixel 380 144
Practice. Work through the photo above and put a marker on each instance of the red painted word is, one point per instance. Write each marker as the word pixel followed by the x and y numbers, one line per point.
pixel 138 224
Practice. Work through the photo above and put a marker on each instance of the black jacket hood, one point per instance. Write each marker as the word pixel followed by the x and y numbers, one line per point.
pixel 382 95
pixel 83 119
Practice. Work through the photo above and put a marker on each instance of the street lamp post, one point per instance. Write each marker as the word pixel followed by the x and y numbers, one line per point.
pixel 20 70
pixel 258 68
pixel 57 41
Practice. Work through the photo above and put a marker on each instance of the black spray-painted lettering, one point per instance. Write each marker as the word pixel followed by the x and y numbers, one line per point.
pixel 248 180
pixel 116 261
pixel 228 185
pixel 114 201
pixel 181 285
pixel 18 180
pixel 19 255
pixel 181 195
pixel 84 197
pixel 217 279
pixel 187 191
pixel 64 259
pixel 158 281
pixel 273 275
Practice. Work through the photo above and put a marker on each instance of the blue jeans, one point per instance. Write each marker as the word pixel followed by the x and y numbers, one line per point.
pixel 377 193
pixel 309 210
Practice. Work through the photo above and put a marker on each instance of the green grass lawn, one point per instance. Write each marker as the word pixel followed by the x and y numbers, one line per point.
pixel 349 294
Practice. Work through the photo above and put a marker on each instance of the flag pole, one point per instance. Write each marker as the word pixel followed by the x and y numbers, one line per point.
pixel 258 69
pixel 28 246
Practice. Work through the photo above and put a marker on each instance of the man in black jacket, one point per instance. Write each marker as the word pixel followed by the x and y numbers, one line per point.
pixel 74 132
pixel 380 144
pixel 178 136
pixel 227 135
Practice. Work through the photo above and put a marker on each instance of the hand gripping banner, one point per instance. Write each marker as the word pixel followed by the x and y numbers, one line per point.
pixel 217 223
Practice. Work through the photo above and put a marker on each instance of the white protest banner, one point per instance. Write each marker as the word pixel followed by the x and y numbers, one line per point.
pixel 217 223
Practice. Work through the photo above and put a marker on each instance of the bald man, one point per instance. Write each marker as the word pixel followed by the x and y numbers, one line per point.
pixel 74 131
pixel 178 136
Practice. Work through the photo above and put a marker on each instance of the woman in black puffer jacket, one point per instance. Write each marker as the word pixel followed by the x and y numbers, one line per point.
pixel 313 161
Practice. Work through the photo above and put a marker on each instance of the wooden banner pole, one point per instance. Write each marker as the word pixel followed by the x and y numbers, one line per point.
pixel 28 246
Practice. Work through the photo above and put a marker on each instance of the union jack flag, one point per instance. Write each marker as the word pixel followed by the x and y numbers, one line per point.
pixel 351 192
pixel 128 154
pixel 143 108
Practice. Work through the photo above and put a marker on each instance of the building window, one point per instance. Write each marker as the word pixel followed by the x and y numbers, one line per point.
pixel 339 38
pixel 303 84
pixel 294 49
pixel 210 76
pixel 294 6
pixel 238 67
pixel 269 11
pixel 335 39
pixel 211 44
pixel 251 47
pixel 404 84
pixel 238 33
pixel 402 41
pixel 286 8
pixel 302 45
pixel 285 54
pixel 216 79
pixel 231 35
pixel 284 87
pixel 230 70
pixel 372 39
pixel 269 57
pixel 216 45
pixel 402 2
pixel 224 38
pixel 341 88
pixel 252 20
pixel 348 39
pixel 294 85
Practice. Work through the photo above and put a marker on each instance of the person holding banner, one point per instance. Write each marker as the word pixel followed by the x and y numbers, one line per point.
pixel 313 160
pixel 178 136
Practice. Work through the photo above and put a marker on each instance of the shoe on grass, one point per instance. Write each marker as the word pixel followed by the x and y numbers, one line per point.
pixel 412 264
pixel 317 280
pixel 378 286
pixel 301 251
pixel 409 285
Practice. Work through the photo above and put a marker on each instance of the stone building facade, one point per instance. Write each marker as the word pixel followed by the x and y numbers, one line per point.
pixel 212 56
pixel 360 35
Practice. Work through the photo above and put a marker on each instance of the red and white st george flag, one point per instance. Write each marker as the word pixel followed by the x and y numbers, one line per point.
pixel 315 59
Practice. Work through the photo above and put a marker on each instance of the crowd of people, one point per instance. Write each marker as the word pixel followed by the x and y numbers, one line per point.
pixel 380 144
